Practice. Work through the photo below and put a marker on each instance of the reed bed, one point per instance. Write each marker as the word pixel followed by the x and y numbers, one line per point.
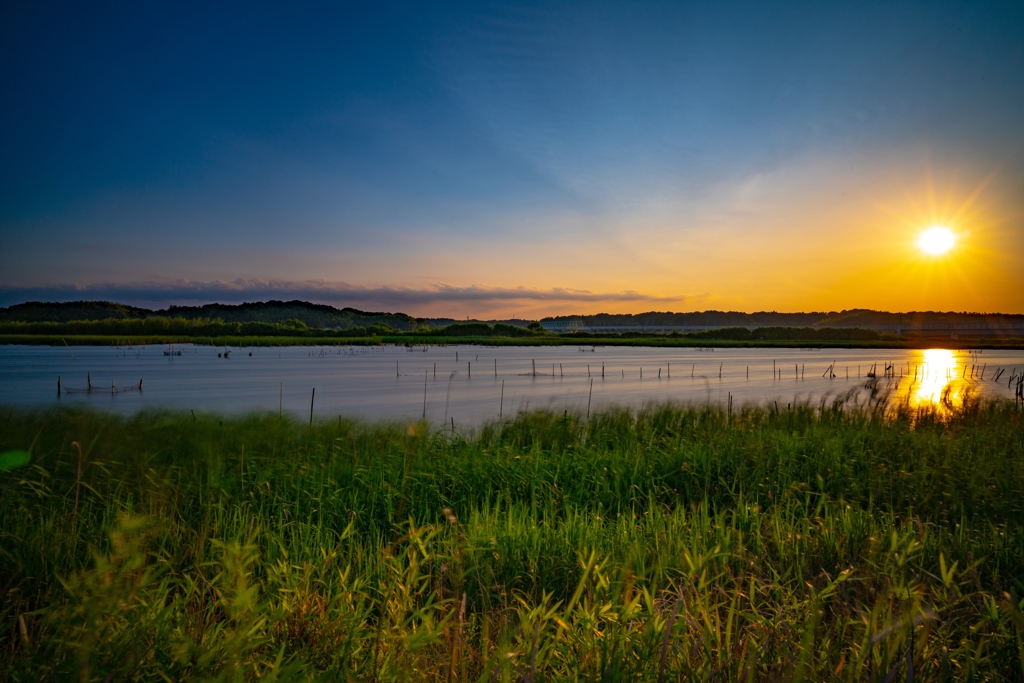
pixel 677 543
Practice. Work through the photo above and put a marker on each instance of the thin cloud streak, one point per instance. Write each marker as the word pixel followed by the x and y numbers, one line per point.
pixel 191 292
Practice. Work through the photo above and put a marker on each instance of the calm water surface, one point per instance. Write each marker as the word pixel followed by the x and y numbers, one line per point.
pixel 473 384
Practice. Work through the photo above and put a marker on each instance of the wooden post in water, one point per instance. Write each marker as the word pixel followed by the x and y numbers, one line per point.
pixel 720 370
pixel 534 367
pixel 560 373
pixel 58 386
pixel 469 369
pixel 590 396
pixel 495 367
pixel 692 368
pixel 311 399
pixel 669 372
pixel 396 368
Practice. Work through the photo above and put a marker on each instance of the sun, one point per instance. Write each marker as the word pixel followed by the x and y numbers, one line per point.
pixel 936 240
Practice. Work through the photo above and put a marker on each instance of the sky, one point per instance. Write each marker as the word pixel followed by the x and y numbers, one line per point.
pixel 499 160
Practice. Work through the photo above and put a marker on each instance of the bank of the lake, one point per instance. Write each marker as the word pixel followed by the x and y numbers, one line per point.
pixel 652 340
pixel 670 543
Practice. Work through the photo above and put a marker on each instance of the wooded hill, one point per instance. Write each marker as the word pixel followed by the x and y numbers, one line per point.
pixel 311 315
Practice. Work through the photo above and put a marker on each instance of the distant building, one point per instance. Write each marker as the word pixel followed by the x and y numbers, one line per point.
pixel 563 326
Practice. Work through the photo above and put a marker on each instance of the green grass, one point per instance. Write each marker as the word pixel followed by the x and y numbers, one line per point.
pixel 680 543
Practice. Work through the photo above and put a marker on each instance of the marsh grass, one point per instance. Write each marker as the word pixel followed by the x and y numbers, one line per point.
pixel 816 543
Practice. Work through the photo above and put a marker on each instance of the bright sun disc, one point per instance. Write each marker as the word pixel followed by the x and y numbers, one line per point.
pixel 936 240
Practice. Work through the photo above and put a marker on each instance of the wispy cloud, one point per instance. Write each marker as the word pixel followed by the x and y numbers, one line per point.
pixel 408 299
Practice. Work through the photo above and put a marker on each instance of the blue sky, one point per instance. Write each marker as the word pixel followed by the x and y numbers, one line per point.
pixel 494 159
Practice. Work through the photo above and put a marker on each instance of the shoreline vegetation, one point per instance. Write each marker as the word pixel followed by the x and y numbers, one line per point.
pixel 674 543
pixel 318 338
pixel 299 323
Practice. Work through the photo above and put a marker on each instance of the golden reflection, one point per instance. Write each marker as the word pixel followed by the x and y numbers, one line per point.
pixel 934 380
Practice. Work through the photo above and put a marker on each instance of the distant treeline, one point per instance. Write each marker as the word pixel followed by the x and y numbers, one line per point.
pixel 765 319
pixel 479 330
pixel 793 334
pixel 352 322
pixel 179 327
pixel 201 327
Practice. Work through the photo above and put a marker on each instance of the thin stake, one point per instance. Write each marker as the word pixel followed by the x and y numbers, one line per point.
pixel 590 396
pixel 311 399
pixel 495 367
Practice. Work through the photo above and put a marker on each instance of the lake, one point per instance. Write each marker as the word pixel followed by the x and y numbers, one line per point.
pixel 472 384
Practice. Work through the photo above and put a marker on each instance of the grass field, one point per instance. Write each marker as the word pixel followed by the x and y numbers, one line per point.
pixel 680 543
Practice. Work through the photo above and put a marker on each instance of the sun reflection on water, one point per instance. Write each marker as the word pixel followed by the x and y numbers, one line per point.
pixel 934 380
